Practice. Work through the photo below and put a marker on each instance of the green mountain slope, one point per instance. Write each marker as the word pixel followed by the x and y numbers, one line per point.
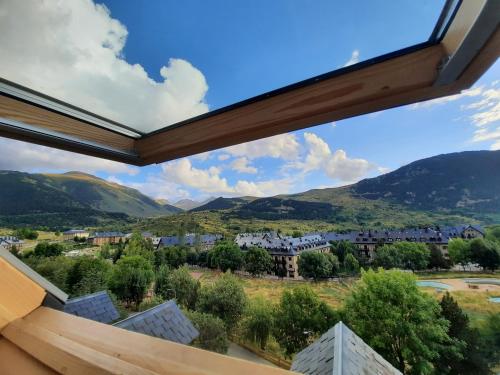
pixel 446 189
pixel 76 193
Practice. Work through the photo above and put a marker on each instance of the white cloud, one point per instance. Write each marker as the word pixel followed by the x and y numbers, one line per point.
pixel 204 156
pixel 488 108
pixel 354 58
pixel 283 146
pixel 223 157
pixel 73 50
pixel 446 99
pixel 21 156
pixel 183 173
pixel 336 165
pixel 241 166
pixel 333 124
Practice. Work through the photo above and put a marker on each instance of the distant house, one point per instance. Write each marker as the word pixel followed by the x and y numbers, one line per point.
pixel 78 233
pixel 205 241
pixel 9 242
pixel 368 241
pixel 101 238
pixel 284 250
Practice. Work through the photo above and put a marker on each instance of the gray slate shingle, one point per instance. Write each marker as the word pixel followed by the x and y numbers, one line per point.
pixel 339 351
pixel 164 321
pixel 96 306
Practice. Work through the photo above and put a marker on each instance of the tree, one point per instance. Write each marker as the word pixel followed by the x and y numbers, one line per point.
pixel 465 356
pixel 173 256
pixel 257 261
pixel 299 317
pixel 258 321
pixel 227 256
pixel 491 334
pixel 459 251
pixel 388 257
pixel 55 269
pixel 212 331
pixel 178 284
pixel 437 260
pixel 402 323
pixel 342 248
pixel 25 233
pixel 105 252
pixel 485 253
pixel 415 255
pixel 138 245
pixel 45 249
pixel 130 279
pixel 225 299
pixel 351 264
pixel 297 234
pixel 88 275
pixel 317 265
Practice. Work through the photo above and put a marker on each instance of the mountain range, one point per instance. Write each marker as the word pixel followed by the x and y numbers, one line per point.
pixel 464 183
pixel 457 186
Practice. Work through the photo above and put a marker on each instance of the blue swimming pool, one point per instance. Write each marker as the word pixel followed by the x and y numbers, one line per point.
pixel 494 299
pixel 433 284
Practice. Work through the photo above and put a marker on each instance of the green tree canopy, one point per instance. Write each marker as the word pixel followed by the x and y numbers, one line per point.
pixel 258 322
pixel 138 245
pixel 257 261
pixel 485 253
pixel 437 260
pixel 130 279
pixel 25 233
pixel 54 269
pixel 399 321
pixel 225 299
pixel 409 255
pixel 300 316
pixel 212 331
pixel 388 257
pixel 465 357
pixel 178 284
pixel 351 264
pixel 316 265
pixel 45 249
pixel 173 256
pixel 459 251
pixel 342 248
pixel 88 275
pixel 227 256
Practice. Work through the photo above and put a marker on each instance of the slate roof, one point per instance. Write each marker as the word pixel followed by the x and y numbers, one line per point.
pixel 340 351
pixel 427 235
pixel 96 306
pixel 75 231
pixel 190 239
pixel 164 321
pixel 277 244
pixel 107 234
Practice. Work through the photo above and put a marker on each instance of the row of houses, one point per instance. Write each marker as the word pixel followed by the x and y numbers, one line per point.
pixel 368 241
pixel 284 250
pixel 11 242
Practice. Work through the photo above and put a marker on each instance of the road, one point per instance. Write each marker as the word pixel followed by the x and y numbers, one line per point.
pixel 237 351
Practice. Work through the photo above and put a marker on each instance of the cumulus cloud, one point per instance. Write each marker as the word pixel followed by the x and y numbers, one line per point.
pixel 336 165
pixel 223 157
pixel 283 146
pixel 73 50
pixel 354 58
pixel 183 173
pixel 241 165
pixel 21 156
pixel 447 99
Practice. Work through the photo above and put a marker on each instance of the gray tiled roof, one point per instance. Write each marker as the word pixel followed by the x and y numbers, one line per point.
pixel 340 351
pixel 165 321
pixel 97 306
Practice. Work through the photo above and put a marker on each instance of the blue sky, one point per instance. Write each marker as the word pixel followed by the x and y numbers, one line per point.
pixel 165 61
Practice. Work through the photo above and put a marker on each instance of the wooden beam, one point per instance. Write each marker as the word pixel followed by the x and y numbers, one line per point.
pixel 18 294
pixel 393 82
pixel 14 361
pixel 161 356
pixel 63 125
